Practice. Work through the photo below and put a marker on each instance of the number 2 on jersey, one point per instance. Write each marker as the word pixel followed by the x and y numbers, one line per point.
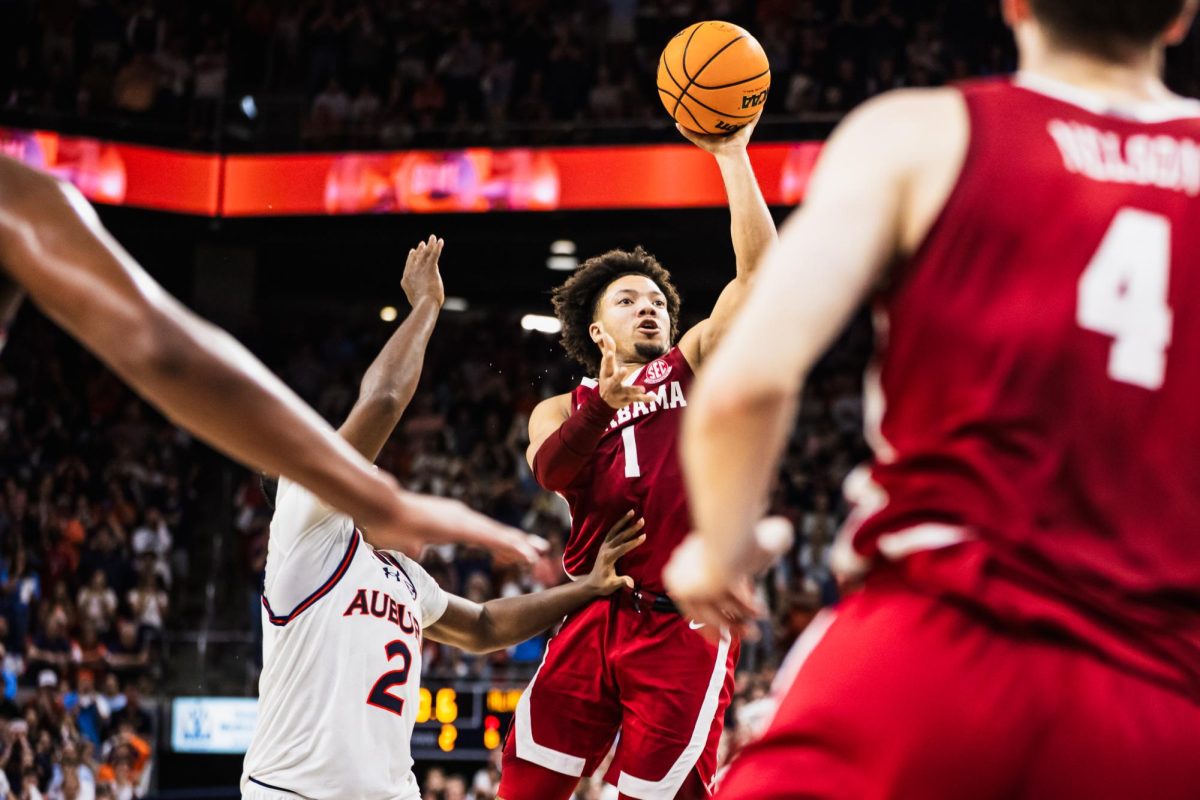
pixel 1123 293
pixel 380 697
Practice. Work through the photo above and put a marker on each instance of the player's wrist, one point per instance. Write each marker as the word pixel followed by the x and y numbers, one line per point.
pixel 592 586
pixel 430 300
pixel 597 411
pixel 732 157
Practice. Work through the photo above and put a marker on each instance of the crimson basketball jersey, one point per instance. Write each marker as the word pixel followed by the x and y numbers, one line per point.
pixel 635 466
pixel 1034 399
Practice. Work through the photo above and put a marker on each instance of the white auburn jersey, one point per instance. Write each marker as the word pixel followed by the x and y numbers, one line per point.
pixel 338 693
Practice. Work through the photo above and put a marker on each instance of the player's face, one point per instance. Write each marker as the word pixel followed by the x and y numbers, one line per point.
pixel 633 310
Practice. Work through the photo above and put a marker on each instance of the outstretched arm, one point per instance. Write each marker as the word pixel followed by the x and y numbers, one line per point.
pixel 751 228
pixel 391 381
pixel 496 624
pixel 53 245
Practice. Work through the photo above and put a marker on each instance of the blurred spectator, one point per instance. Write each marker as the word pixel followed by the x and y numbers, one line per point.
pixel 605 101
pixel 97 603
pixel 461 67
pixel 330 113
pixel 174 70
pixel 364 115
pixel 136 86
pixel 90 709
pixel 12 668
pixel 152 539
pixel 128 657
pixel 210 68
pixel 50 649
pixel 148 602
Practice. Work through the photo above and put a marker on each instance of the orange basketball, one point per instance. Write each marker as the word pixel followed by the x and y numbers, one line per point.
pixel 713 77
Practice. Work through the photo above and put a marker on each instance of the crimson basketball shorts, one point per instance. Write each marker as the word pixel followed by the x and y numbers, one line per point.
pixel 645 680
pixel 903 696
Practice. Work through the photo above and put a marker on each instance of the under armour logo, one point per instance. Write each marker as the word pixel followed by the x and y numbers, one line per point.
pixel 401 576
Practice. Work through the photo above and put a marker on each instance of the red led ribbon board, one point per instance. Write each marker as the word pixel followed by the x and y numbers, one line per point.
pixel 476 180
pixel 122 174
pixel 473 180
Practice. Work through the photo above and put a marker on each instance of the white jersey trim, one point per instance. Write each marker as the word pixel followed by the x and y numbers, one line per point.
pixel 1148 112
pixel 280 620
pixel 795 660
pixel 667 787
pixel 929 536
pixel 535 753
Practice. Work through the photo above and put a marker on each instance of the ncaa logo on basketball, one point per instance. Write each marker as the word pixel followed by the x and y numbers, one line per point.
pixel 657 372
pixel 754 100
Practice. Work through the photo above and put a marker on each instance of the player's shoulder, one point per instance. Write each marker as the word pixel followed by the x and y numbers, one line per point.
pixel 297 510
pixel 425 590
pixel 410 566
pixel 557 406
pixel 905 137
pixel 908 118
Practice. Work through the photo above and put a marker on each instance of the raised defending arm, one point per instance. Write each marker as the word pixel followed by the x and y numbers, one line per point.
pixel 391 381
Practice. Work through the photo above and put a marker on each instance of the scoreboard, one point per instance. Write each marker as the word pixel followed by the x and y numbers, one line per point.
pixel 462 720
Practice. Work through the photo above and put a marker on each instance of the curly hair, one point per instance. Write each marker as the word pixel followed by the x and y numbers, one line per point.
pixel 575 302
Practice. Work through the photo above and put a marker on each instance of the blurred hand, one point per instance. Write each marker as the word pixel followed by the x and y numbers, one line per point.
pixel 621 538
pixel 721 144
pixel 720 594
pixel 421 277
pixel 612 378
pixel 437 520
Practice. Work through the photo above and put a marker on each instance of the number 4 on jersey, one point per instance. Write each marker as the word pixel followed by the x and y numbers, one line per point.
pixel 1123 293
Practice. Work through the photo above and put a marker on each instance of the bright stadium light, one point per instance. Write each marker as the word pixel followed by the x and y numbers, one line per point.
pixel 562 263
pixel 249 107
pixel 540 323
pixel 455 304
pixel 388 313
pixel 562 247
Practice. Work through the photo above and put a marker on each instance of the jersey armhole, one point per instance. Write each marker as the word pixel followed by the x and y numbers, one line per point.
pixel 953 198
pixel 281 619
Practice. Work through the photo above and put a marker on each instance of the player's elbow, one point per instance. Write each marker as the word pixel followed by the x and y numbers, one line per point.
pixel 483 637
pixel 383 403
pixel 478 646
pixel 156 351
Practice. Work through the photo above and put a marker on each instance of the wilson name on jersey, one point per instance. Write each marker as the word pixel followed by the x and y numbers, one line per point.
pixel 635 466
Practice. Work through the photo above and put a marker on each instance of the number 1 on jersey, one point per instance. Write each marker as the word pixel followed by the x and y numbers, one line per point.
pixel 1123 293
pixel 632 468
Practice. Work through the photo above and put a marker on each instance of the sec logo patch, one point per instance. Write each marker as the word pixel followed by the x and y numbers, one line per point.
pixel 658 371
